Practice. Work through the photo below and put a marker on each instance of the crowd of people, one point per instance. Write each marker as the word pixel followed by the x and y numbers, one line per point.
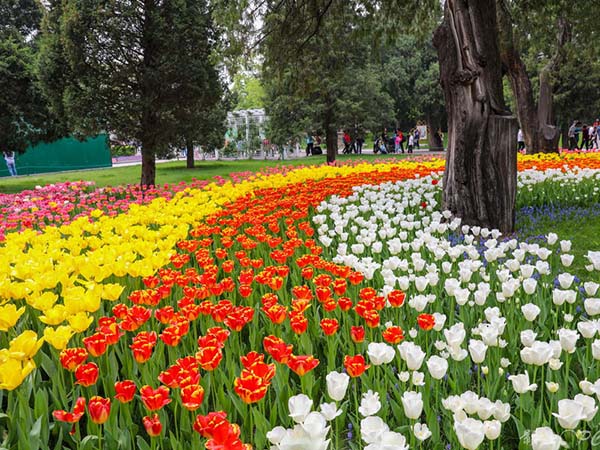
pixel 396 142
pixel 584 137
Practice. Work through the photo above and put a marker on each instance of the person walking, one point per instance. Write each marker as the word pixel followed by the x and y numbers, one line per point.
pixel 520 140
pixel 397 143
pixel 571 136
pixel 9 157
pixel 417 135
pixel 585 138
pixel 411 142
pixel 401 136
pixel 359 144
pixel 347 141
pixel 309 144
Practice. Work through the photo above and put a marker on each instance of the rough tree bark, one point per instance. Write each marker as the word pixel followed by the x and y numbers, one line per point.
pixel 537 120
pixel 330 133
pixel 433 138
pixel 480 179
pixel 189 154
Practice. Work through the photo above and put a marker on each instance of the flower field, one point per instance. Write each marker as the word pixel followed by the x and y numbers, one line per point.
pixel 305 308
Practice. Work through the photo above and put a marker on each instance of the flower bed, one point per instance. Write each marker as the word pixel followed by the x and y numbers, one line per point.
pixel 331 307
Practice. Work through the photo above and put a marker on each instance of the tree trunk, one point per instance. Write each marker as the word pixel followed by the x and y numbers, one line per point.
pixel 189 156
pixel 481 165
pixel 330 134
pixel 148 166
pixel 433 138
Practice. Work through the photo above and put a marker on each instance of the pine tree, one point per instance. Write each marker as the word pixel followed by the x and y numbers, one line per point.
pixel 140 69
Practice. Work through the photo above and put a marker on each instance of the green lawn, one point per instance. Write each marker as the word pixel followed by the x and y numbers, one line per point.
pixel 171 172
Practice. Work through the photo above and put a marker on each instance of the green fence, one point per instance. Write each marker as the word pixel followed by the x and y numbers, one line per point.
pixel 64 154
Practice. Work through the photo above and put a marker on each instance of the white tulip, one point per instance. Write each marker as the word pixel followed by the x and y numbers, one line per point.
pixel 528 337
pixel 543 438
pixel 587 328
pixel 570 413
pixel 299 407
pixel 380 353
pixel 568 339
pixel 369 404
pixel 421 431
pixel 413 404
pixel 589 406
pixel 337 384
pixel 529 285
pixel 470 433
pixel 591 287
pixel 530 311
pixel 592 306
pixel 330 411
pixel 492 429
pixel 477 349
pixel 437 367
pixel 412 354
pixel 372 429
pixel 521 383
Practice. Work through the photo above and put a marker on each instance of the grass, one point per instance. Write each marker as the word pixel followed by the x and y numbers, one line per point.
pixel 171 172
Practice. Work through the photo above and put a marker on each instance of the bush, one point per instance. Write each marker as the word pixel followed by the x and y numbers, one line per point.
pixel 122 150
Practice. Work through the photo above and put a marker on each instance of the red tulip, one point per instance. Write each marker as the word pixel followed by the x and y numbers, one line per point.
pixel 152 425
pixel 99 409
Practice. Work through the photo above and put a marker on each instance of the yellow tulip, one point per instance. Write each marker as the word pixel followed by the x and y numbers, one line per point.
pixel 80 322
pixel 13 372
pixel 54 316
pixel 25 346
pixel 9 314
pixel 112 291
pixel 43 301
pixel 58 337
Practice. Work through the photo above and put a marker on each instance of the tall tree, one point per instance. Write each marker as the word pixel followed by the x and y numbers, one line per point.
pixel 131 68
pixel 24 115
pixel 411 73
pixel 318 73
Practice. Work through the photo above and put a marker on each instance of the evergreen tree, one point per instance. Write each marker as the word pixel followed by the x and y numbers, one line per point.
pixel 139 69
pixel 24 117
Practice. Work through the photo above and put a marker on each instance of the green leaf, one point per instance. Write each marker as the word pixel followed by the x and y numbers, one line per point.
pixel 88 442
pixel 141 443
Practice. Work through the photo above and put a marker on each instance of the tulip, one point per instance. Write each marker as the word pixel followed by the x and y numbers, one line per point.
pixel 99 409
pixel 380 353
pixel 568 339
pixel 302 364
pixel 521 383
pixel 412 354
pixel 543 438
pixel 530 311
pixel 330 411
pixel 477 349
pixel 125 390
pixel 372 429
pixel 470 433
pixel 337 384
pixel 369 404
pixel 421 431
pixel 87 374
pixel 437 367
pixel 155 399
pixel 71 358
pixel 570 413
pixel 355 365
pixel 299 407
pixel 152 425
pixel 492 429
pixel 413 404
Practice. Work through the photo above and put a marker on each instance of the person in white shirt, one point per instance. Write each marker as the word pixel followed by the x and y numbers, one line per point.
pixel 520 140
pixel 9 157
pixel 411 142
